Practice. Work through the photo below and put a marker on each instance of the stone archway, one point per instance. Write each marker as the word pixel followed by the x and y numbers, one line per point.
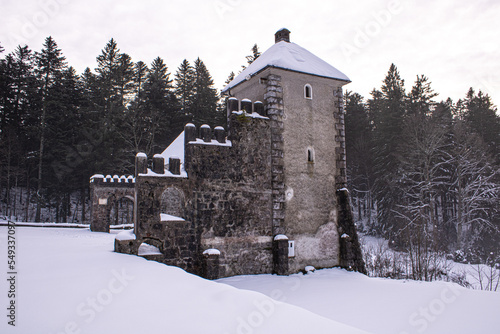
pixel 106 193
pixel 172 202
pixel 120 210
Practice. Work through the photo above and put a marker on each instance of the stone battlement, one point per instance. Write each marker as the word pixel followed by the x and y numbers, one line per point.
pixel 115 180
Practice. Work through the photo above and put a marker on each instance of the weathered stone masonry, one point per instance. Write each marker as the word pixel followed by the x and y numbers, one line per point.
pixel 226 200
pixel 105 192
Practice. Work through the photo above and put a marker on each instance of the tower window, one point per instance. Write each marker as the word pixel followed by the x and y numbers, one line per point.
pixel 308 91
pixel 310 155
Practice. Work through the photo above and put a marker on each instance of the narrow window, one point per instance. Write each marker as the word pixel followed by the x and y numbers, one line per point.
pixel 308 91
pixel 310 155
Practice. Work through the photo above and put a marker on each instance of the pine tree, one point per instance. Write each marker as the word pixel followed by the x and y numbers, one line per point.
pixel 420 97
pixel 205 97
pixel 50 64
pixel 387 110
pixel 108 63
pixel 66 149
pixel 115 81
pixel 20 121
pixel 161 106
pixel 230 78
pixel 135 119
pixel 184 89
pixel 359 150
pixel 140 73
pixel 251 58
pixel 125 80
pixel 481 116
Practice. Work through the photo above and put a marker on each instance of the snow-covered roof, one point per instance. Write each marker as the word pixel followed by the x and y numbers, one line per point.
pixel 175 149
pixel 289 56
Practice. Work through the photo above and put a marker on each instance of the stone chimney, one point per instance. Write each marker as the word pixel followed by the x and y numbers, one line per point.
pixel 282 35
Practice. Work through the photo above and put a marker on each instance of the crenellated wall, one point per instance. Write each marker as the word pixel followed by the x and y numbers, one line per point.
pixel 105 191
pixel 232 192
pixel 219 198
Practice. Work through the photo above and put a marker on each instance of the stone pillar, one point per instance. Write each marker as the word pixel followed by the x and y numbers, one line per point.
pixel 220 134
pixel 274 103
pixel 258 107
pixel 340 158
pixel 232 105
pixel 98 222
pixel 211 263
pixel 206 133
pixel 246 105
pixel 351 257
pixel 280 254
pixel 189 133
pixel 141 163
pixel 174 165
pixel 158 164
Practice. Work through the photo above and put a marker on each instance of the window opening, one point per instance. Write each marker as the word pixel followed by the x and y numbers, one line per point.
pixel 308 91
pixel 310 155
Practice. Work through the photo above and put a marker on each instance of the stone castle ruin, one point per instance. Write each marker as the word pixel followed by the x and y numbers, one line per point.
pixel 266 196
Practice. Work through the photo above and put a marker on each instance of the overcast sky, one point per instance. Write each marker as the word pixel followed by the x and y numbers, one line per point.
pixel 456 43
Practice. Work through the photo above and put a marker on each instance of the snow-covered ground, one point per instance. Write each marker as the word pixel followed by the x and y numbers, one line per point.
pixel 70 281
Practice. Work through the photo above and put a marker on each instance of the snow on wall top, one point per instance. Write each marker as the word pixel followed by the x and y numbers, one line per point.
pixel 125 235
pixel 289 56
pixel 166 218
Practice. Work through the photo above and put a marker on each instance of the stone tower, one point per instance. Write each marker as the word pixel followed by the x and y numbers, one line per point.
pixel 267 197
pixel 303 99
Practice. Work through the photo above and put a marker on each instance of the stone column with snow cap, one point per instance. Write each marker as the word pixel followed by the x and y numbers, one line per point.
pixel 280 254
pixel 211 263
pixel 232 105
pixel 174 165
pixel 189 133
pixel 246 105
pixel 141 163
pixel 206 133
pixel 220 134
pixel 158 164
pixel 258 107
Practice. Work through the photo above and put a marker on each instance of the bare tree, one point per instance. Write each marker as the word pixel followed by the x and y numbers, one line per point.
pixel 474 184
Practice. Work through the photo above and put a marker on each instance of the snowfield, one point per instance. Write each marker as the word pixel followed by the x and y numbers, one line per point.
pixel 70 281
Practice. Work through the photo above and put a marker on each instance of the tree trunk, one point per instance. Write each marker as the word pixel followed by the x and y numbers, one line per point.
pixel 40 159
pixel 82 192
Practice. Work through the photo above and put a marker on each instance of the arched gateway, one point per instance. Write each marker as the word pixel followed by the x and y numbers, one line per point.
pixel 112 201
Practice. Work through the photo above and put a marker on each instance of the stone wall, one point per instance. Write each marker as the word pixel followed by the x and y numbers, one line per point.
pixel 104 193
pixel 225 202
pixel 176 239
pixel 232 196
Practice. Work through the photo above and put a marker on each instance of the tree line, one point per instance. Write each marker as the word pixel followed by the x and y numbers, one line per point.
pixel 425 174
pixel 57 127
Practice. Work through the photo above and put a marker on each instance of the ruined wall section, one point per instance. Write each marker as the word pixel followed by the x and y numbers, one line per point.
pixel 104 192
pixel 232 194
pixel 175 238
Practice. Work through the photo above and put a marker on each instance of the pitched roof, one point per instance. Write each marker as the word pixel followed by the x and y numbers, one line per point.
pixel 289 56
